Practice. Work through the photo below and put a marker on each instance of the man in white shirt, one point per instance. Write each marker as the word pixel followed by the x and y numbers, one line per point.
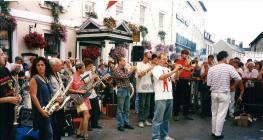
pixel 144 87
pixel 163 98
pixel 218 79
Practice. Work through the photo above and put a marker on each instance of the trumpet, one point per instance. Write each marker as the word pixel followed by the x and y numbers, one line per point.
pixel 53 104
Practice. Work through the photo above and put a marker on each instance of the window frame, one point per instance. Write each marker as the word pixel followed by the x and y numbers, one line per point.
pixel 84 7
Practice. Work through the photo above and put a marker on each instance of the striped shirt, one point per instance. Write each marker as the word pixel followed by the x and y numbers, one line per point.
pixel 219 77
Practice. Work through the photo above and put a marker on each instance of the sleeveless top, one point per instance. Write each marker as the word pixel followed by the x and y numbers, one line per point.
pixel 44 95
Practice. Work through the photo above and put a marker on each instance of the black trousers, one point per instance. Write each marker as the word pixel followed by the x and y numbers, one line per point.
pixel 205 100
pixel 94 112
pixel 58 122
pixel 182 96
pixel 7 130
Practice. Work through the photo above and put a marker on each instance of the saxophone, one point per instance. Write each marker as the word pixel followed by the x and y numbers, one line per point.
pixel 53 105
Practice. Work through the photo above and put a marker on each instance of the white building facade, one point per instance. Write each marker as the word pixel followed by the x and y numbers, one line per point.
pixel 183 22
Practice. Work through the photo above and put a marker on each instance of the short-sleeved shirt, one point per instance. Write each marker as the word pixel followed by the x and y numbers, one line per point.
pixel 184 73
pixel 219 77
pixel 162 88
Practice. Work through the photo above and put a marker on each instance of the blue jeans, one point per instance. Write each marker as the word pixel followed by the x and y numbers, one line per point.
pixel 144 106
pixel 123 106
pixel 162 113
pixel 136 105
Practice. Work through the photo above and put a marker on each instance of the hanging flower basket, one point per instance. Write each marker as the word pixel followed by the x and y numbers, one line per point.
pixel 162 34
pixel 147 44
pixel 144 31
pixel 59 31
pixel 110 23
pixel 7 22
pixel 92 52
pixel 118 52
pixel 35 40
pixel 162 48
pixel 133 27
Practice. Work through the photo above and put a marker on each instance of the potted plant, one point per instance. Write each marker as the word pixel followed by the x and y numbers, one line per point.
pixel 110 23
pixel 35 40
pixel 162 34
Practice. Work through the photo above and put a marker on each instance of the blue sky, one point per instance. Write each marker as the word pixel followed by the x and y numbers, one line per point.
pixel 238 19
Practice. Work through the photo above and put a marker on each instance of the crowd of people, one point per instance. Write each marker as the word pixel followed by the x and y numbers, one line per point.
pixel 163 89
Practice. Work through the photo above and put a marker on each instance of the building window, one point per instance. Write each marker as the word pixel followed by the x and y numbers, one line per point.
pixel 5 43
pixel 88 6
pixel 161 19
pixel 52 49
pixel 44 4
pixel 119 7
pixel 142 14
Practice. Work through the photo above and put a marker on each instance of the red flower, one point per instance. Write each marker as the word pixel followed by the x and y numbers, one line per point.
pixel 91 52
pixel 35 40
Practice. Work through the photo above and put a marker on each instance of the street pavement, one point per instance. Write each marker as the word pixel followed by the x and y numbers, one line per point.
pixel 197 129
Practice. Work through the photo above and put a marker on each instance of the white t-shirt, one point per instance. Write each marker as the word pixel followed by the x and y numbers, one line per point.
pixel 144 84
pixel 162 88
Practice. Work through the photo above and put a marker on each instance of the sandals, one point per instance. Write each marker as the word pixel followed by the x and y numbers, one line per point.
pixel 79 133
pixel 86 137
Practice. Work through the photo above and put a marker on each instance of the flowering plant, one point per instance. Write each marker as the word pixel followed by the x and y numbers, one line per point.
pixel 162 48
pixel 144 31
pixel 59 31
pixel 162 34
pixel 171 47
pixel 7 22
pixel 117 52
pixel 35 40
pixel 147 44
pixel 133 27
pixel 110 22
pixel 92 52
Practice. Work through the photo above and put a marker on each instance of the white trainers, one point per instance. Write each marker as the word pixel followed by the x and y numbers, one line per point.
pixel 140 124
pixel 147 123
pixel 168 138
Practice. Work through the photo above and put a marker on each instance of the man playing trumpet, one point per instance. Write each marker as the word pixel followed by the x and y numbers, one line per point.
pixel 183 87
pixel 144 88
pixel 122 78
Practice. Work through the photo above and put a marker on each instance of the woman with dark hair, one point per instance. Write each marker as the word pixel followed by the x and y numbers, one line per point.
pixel 83 108
pixel 258 66
pixel 41 93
